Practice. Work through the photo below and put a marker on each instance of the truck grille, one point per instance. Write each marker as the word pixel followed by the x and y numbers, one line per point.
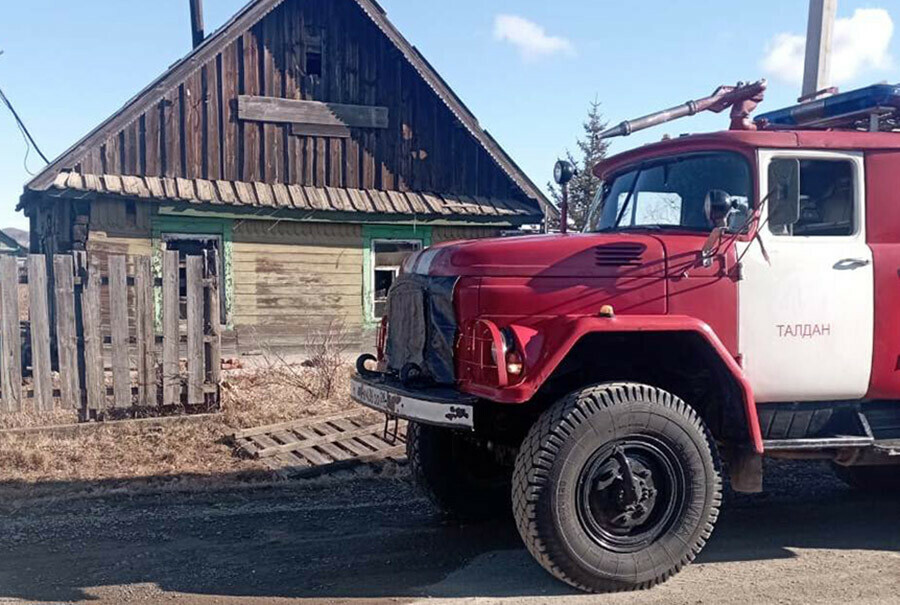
pixel 421 326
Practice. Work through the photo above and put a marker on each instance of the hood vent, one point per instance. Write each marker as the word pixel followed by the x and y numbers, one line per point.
pixel 619 255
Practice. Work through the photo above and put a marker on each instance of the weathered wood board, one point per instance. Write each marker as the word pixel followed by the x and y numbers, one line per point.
pixel 106 365
pixel 317 445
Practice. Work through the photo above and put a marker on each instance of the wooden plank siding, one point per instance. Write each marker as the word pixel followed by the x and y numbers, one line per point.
pixel 449 234
pixel 293 277
pixel 192 130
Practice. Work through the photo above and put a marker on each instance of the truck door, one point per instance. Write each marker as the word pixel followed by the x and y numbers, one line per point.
pixel 806 315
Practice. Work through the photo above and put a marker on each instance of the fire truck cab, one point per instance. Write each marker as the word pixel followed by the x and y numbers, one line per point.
pixel 734 295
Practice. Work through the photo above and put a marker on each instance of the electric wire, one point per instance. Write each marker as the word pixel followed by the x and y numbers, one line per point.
pixel 26 135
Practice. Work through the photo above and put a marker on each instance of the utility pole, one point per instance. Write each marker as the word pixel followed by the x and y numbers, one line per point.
pixel 818 47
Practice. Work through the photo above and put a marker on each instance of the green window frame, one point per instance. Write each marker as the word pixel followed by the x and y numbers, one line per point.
pixel 372 233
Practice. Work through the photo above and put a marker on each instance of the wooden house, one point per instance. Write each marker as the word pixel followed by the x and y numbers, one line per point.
pixel 310 145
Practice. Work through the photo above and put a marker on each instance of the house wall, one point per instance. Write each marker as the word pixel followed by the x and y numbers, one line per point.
pixel 283 278
pixel 291 277
pixel 118 227
pixel 451 233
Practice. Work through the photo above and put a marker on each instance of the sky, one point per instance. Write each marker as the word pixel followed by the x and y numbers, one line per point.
pixel 526 68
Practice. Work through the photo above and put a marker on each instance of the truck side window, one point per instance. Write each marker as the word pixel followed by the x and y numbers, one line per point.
pixel 826 200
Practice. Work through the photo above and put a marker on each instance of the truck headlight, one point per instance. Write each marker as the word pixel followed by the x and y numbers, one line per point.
pixel 514 363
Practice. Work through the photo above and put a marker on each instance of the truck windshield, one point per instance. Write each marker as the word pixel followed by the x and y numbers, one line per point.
pixel 694 192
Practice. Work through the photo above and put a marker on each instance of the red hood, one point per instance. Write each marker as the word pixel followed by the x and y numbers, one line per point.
pixel 571 255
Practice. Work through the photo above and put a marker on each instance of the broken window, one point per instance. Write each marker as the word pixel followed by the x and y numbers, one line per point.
pixel 314 62
pixel 312 43
pixel 387 258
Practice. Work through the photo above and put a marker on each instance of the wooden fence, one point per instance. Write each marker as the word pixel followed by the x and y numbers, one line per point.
pixel 105 336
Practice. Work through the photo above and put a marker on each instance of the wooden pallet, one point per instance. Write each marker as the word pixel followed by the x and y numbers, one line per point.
pixel 318 445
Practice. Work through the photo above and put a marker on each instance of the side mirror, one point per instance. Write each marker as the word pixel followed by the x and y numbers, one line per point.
pixel 716 207
pixel 784 184
pixel 563 172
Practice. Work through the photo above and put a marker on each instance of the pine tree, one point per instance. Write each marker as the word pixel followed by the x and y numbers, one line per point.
pixel 583 188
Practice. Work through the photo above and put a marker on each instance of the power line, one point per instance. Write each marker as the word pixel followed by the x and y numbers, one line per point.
pixel 29 140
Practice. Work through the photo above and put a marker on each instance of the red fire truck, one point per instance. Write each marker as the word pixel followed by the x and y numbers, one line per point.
pixel 733 295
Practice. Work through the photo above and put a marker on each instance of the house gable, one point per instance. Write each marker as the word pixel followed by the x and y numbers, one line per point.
pixel 316 58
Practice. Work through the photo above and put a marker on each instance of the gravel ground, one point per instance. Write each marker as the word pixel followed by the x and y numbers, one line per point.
pixel 370 538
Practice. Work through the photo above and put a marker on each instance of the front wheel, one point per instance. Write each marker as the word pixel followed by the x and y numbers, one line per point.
pixel 460 476
pixel 617 487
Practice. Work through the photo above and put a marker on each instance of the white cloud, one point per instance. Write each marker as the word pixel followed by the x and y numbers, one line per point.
pixel 860 43
pixel 529 38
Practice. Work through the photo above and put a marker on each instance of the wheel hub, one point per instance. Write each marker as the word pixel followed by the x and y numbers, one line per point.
pixel 629 493
pixel 634 505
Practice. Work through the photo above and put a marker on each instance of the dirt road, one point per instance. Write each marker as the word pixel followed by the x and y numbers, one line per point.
pixel 808 540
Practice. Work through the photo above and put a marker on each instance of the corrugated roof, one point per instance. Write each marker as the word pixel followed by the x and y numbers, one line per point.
pixel 251 14
pixel 297 197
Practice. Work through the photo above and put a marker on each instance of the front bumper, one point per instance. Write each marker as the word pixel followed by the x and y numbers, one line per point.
pixel 439 406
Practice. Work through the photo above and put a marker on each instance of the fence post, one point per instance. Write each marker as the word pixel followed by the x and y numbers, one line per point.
pixel 146 339
pixel 118 323
pixel 171 373
pixel 213 322
pixel 40 332
pixel 93 343
pixel 66 341
pixel 195 348
pixel 10 336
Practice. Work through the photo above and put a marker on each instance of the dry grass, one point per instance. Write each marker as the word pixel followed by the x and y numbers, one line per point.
pixel 195 451
pixel 34 419
pixel 115 452
pixel 320 375
pixel 271 395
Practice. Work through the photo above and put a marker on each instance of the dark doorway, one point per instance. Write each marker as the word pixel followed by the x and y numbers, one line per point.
pixel 196 245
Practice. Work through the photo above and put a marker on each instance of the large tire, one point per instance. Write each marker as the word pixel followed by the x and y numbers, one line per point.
pixel 570 496
pixel 870 478
pixel 460 477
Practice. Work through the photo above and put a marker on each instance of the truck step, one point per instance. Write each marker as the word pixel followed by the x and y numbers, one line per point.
pixel 891 447
pixel 884 419
pixel 775 445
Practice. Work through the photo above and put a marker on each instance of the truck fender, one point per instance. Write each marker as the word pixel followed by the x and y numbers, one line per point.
pixel 554 352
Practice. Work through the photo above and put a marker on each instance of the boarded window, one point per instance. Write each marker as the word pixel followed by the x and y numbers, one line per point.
pixel 388 257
